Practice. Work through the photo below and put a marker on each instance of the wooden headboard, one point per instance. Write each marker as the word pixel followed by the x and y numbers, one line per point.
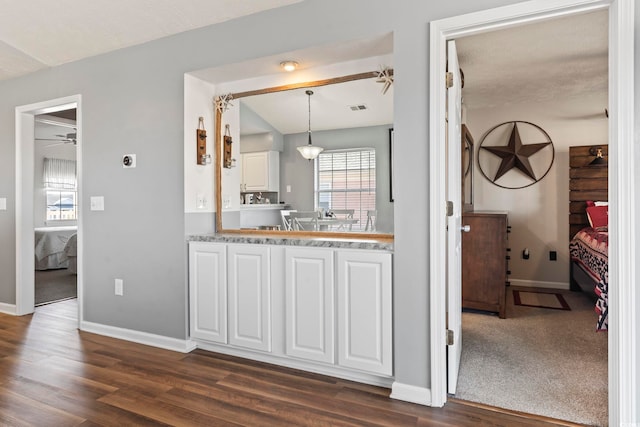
pixel 585 183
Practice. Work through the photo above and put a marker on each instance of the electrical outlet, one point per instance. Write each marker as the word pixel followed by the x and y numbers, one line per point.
pixel 201 202
pixel 553 256
pixel 119 287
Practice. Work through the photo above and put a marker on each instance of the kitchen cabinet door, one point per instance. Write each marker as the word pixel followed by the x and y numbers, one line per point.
pixel 208 291
pixel 249 296
pixel 309 282
pixel 261 171
pixel 365 311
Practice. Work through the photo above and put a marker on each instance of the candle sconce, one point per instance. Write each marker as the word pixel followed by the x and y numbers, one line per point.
pixel 201 144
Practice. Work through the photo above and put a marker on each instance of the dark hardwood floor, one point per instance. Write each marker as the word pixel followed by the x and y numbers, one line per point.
pixel 51 374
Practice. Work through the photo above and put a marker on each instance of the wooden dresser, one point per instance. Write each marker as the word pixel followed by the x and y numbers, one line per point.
pixel 485 257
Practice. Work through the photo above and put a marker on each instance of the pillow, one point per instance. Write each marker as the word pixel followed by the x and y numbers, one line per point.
pixel 601 203
pixel 598 217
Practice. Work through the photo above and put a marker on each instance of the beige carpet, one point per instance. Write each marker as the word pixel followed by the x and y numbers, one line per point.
pixel 54 285
pixel 537 360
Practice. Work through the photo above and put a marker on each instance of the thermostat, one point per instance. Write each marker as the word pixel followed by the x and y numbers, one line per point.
pixel 129 161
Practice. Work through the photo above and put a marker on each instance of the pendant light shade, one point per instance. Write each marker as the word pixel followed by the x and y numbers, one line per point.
pixel 309 151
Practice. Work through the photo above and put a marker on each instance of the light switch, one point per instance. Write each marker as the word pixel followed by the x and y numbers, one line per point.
pixel 288 189
pixel 3 203
pixel 97 203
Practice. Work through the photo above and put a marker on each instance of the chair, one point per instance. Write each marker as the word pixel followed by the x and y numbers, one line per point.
pixel 371 220
pixel 343 214
pixel 304 220
pixel 286 219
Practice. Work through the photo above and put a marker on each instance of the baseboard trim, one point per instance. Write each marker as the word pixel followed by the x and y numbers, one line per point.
pixel 8 308
pixel 167 343
pixel 538 284
pixel 411 393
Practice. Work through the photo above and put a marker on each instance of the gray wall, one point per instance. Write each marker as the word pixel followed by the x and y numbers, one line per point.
pixel 133 103
pixel 298 172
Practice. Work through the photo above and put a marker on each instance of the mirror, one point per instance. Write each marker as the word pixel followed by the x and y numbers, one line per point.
pixel 467 169
pixel 345 192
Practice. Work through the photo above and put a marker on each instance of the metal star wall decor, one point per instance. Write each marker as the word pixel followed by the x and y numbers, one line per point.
pixel 516 155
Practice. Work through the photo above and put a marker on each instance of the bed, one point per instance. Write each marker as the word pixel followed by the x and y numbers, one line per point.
pixel 50 245
pixel 588 245
pixel 589 250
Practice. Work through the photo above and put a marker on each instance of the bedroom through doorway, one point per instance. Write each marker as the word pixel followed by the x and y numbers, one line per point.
pixel 55 207
pixel 48 204
pixel 526 85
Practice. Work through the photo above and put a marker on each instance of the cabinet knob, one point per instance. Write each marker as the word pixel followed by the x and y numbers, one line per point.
pixel 465 228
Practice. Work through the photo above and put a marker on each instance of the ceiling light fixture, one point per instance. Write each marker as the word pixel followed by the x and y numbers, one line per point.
pixel 289 65
pixel 309 151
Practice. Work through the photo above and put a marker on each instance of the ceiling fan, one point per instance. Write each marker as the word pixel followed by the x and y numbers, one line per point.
pixel 69 138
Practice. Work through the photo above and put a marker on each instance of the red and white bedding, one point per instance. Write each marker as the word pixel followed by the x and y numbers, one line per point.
pixel 590 249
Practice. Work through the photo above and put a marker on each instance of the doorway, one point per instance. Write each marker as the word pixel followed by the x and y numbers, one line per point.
pixel 622 388
pixel 25 240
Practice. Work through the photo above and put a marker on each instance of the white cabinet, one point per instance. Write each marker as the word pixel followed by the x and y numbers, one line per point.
pixel 249 296
pixel 309 305
pixel 208 291
pixel 261 171
pixel 364 311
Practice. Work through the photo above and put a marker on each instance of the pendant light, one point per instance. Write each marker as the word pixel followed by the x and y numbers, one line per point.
pixel 309 151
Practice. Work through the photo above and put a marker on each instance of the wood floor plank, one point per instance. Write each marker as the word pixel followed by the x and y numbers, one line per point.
pixel 53 375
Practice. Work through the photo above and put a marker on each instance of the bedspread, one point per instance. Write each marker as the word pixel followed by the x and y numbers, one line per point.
pixel 590 248
pixel 49 246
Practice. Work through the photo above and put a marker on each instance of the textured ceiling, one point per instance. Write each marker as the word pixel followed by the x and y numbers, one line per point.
pixel 36 34
pixel 560 63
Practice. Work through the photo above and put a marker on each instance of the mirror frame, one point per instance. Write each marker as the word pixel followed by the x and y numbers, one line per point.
pixel 380 237
pixel 467 168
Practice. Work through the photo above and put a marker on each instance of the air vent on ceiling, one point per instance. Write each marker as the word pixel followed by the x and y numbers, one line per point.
pixel 358 107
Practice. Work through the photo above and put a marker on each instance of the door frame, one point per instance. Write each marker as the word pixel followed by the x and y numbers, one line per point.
pixel 25 148
pixel 622 335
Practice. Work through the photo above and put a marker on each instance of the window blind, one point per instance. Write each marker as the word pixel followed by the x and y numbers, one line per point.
pixel 59 174
pixel 347 180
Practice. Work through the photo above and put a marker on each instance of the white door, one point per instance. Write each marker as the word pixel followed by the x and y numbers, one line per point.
pixel 309 304
pixel 249 296
pixel 454 222
pixel 208 291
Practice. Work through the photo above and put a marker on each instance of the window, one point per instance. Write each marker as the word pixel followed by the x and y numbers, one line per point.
pixel 60 184
pixel 346 179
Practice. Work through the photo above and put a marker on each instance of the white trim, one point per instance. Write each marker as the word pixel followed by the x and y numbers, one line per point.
pixel 623 343
pixel 294 363
pixel 622 297
pixel 145 338
pixel 7 308
pixel 539 284
pixel 25 265
pixel 411 393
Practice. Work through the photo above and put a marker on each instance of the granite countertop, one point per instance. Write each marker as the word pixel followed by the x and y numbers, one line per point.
pixel 323 242
pixel 265 206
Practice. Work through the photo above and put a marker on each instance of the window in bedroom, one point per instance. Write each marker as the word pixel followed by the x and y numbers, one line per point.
pixel 346 179
pixel 60 184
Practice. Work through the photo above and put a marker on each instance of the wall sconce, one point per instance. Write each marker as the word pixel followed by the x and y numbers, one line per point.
pixel 599 160
pixel 201 144
pixel 227 161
